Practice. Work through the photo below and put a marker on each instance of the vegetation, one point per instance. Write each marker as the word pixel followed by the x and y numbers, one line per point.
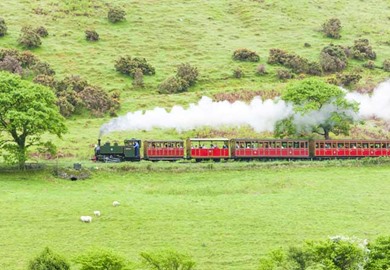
pixel 116 14
pixel 29 38
pixel 27 111
pixel 386 65
pixel 167 260
pixel 129 65
pixel 48 260
pixel 332 28
pixel 100 259
pixel 91 35
pixel 362 50
pixel 42 31
pixel 319 108
pixel 333 58
pixel 3 27
pixel 186 76
pixel 246 55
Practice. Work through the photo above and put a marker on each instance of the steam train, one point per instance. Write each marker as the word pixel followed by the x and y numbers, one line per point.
pixel 238 149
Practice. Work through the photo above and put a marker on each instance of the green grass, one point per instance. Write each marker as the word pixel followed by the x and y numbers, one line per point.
pixel 226 219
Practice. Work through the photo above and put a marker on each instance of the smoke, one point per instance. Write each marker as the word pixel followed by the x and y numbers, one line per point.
pixel 260 115
pixel 375 105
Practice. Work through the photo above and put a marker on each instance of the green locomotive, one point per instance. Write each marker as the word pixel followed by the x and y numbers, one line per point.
pixel 108 152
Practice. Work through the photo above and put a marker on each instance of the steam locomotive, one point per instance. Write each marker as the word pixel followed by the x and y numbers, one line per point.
pixel 238 149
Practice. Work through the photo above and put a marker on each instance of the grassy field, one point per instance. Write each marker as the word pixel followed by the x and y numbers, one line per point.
pixel 225 219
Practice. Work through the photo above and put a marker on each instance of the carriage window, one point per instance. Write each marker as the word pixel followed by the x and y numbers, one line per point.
pixel 289 144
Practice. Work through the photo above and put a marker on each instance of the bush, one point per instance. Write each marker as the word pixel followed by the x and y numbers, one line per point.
pixel 348 79
pixel 238 73
pixel 187 73
pixel 116 14
pixel 261 70
pixel 3 27
pixel 297 63
pixel 91 35
pixel 138 81
pixel 29 38
pixel 43 68
pixel 45 80
pixel 48 260
pixel 314 68
pixel 379 256
pixel 72 82
pixel 277 56
pixel 96 100
pixel 66 108
pixel 386 65
pixel 245 55
pixel 332 28
pixel 167 260
pixel 100 259
pixel 333 58
pixel 128 65
pixel 11 64
pixel 173 84
pixel 362 50
pixel 42 31
pixel 283 74
pixel 369 64
pixel 27 59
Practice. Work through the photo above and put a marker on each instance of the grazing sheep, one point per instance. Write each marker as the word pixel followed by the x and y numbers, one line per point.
pixel 115 203
pixel 86 219
pixel 96 213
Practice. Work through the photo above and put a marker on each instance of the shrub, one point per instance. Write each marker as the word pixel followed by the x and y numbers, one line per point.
pixel 96 100
pixel 362 50
pixel 332 28
pixel 48 260
pixel 277 56
pixel 42 31
pixel 72 82
pixel 307 45
pixel 29 38
pixel 314 68
pixel 260 70
pixel 283 74
pixel 369 64
pixel 379 256
pixel 66 108
pixel 45 80
pixel 245 55
pixel 187 73
pixel 138 81
pixel 116 14
pixel 348 79
pixel 167 260
pixel 386 65
pixel 43 68
pixel 3 27
pixel 297 63
pixel 238 73
pixel 173 84
pixel 11 64
pixel 27 59
pixel 128 65
pixel 333 58
pixel 91 35
pixel 100 259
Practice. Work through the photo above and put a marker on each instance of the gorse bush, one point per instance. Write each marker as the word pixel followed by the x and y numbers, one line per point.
pixel 238 73
pixel 48 260
pixel 333 58
pixel 100 259
pixel 245 55
pixel 332 28
pixel 128 65
pixel 11 64
pixel 362 50
pixel 116 14
pixel 369 64
pixel 91 35
pixel 96 100
pixel 187 73
pixel 3 27
pixel 72 82
pixel 42 31
pixel 295 62
pixel 167 260
pixel 43 68
pixel 386 65
pixel 138 81
pixel 45 80
pixel 29 38
pixel 172 85
pixel 348 79
pixel 283 74
pixel 314 68
pixel 261 70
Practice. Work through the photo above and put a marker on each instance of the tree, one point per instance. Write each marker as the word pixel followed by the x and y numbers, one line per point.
pixel 318 108
pixel 27 111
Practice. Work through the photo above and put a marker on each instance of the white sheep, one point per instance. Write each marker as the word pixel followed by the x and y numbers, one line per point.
pixel 115 203
pixel 96 213
pixel 86 219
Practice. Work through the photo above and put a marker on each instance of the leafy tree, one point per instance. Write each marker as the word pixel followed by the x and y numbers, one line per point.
pixel 319 108
pixel 379 256
pixel 167 260
pixel 48 260
pixel 27 111
pixel 101 259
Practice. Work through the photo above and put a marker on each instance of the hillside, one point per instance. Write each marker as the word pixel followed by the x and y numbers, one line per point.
pixel 202 33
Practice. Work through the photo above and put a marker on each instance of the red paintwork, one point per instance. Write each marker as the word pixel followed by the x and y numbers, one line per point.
pixel 165 152
pixel 271 152
pixel 210 153
pixel 350 152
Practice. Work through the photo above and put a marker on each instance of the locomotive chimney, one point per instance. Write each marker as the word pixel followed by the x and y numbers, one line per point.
pixel 99 142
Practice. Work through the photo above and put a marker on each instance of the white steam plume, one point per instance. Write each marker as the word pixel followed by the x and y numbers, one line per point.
pixel 260 115
pixel 375 105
